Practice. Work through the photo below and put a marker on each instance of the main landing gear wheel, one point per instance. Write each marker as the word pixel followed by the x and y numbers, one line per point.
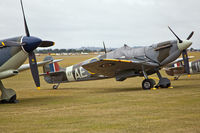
pixel 164 83
pixel 11 100
pixel 7 95
pixel 147 84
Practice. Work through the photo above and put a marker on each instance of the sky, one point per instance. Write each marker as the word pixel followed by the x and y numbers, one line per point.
pixel 87 23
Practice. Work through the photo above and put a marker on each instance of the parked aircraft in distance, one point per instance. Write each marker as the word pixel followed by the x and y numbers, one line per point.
pixel 14 52
pixel 176 68
pixel 123 63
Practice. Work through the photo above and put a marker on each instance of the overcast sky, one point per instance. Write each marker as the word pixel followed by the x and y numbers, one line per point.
pixel 77 23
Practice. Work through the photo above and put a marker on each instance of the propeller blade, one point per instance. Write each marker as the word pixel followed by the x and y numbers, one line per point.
pixel 104 48
pixel 25 23
pixel 191 34
pixel 180 41
pixel 186 61
pixel 34 69
pixel 46 44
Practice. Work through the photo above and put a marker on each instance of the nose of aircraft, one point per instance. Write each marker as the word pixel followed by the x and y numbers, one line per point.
pixel 31 43
pixel 184 44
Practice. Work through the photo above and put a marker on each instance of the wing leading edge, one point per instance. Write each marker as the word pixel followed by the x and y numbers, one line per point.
pixel 111 67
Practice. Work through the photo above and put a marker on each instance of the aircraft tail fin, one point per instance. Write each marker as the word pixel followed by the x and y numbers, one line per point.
pixel 52 72
pixel 52 66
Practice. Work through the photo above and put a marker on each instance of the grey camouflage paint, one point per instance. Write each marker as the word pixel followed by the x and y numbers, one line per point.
pixel 12 57
pixel 152 57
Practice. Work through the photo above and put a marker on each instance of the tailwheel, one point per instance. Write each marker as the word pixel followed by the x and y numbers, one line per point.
pixel 147 84
pixel 175 78
pixel 56 86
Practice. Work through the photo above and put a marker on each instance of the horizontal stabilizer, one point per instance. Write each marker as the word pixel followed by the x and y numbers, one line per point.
pixel 52 73
pixel 42 63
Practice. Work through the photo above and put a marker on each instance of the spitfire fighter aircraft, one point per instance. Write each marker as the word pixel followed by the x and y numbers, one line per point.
pixel 176 68
pixel 122 63
pixel 14 52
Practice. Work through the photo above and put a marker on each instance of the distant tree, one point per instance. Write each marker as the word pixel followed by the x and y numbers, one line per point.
pixel 191 49
pixel 46 51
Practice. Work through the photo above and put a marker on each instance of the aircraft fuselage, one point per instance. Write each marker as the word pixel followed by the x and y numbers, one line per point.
pixel 11 58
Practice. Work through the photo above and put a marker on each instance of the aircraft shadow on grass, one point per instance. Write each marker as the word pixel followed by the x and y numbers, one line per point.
pixel 105 89
pixel 187 86
pixel 117 90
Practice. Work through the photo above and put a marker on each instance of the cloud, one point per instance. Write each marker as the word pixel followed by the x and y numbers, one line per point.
pixel 87 23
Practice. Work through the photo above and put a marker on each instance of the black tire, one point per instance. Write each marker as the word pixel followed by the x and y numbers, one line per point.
pixel 164 83
pixel 153 82
pixel 147 84
pixel 55 87
pixel 11 100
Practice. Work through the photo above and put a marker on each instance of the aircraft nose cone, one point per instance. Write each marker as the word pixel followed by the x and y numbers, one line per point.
pixel 31 43
pixel 184 45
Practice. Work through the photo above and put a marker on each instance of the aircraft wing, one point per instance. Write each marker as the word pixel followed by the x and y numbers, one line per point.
pixel 110 67
pixel 52 73
pixel 42 63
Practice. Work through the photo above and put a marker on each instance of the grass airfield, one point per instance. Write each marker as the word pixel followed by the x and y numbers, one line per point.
pixel 101 106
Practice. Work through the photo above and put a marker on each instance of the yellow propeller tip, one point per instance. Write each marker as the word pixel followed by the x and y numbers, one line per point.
pixel 38 88
pixel 3 43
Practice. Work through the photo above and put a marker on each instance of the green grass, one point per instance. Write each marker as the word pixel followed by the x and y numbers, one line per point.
pixel 101 106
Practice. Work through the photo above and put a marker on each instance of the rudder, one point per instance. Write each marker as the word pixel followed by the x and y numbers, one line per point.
pixel 51 67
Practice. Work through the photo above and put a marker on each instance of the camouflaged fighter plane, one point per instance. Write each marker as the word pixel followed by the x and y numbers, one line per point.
pixel 14 52
pixel 176 68
pixel 122 63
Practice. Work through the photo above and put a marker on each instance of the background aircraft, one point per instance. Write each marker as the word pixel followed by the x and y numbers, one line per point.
pixel 14 52
pixel 176 68
pixel 123 63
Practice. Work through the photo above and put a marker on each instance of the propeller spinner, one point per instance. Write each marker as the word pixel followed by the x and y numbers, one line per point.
pixel 183 45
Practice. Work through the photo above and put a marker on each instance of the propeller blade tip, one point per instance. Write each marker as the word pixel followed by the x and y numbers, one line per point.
pixel 3 43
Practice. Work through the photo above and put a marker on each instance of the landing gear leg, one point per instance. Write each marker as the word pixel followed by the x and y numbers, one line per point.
pixel 56 86
pixel 147 83
pixel 7 95
pixel 163 82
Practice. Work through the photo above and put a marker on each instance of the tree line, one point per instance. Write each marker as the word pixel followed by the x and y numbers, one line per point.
pixel 46 51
